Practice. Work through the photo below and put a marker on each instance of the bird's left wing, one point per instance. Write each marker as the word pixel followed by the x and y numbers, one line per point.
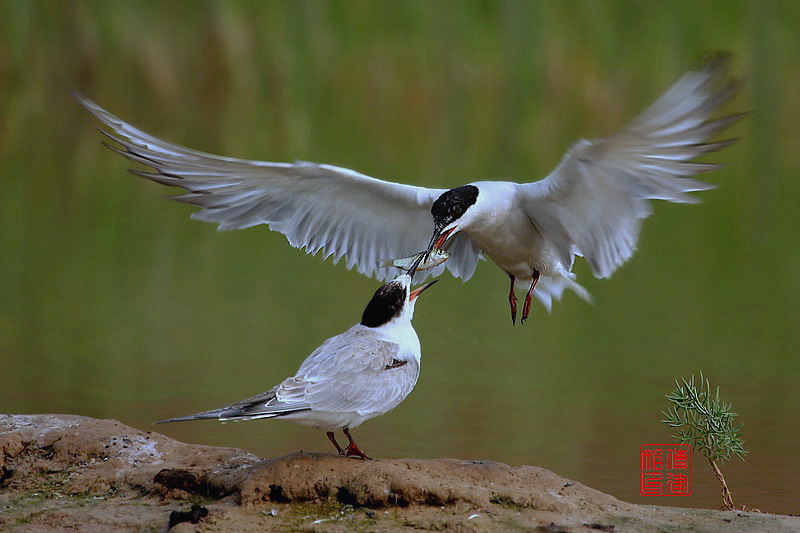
pixel 321 208
pixel 594 201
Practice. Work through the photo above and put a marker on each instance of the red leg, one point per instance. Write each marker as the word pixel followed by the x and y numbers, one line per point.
pixel 526 308
pixel 333 440
pixel 512 300
pixel 352 448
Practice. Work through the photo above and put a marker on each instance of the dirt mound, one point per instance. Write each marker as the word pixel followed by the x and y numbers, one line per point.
pixel 97 456
pixel 403 482
pixel 63 471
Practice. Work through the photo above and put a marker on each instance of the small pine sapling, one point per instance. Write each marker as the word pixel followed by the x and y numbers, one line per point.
pixel 705 422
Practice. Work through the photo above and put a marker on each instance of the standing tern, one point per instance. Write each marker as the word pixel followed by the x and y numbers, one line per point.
pixel 352 377
pixel 591 205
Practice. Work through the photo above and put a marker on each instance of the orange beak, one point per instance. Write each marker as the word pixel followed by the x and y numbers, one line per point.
pixel 443 237
pixel 416 292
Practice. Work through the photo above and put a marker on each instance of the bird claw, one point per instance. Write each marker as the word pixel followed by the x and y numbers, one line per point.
pixel 526 307
pixel 354 450
pixel 512 302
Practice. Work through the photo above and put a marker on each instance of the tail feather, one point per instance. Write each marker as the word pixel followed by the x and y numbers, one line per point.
pixel 264 405
pixel 227 415
pixel 206 415
pixel 549 289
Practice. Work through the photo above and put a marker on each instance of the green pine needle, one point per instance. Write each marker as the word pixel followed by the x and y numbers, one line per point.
pixel 704 421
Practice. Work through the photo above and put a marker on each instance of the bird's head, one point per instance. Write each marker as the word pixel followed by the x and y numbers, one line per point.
pixel 452 213
pixel 393 302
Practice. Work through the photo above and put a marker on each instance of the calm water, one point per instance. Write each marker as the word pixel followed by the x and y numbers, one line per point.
pixel 113 303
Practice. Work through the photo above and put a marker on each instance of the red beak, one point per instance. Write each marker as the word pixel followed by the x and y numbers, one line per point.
pixel 443 237
pixel 420 290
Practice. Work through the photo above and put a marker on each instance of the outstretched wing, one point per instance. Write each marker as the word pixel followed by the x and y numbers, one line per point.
pixel 321 208
pixel 594 201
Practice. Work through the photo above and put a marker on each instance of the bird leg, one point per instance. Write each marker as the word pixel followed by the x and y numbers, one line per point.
pixel 526 308
pixel 512 300
pixel 333 440
pixel 352 448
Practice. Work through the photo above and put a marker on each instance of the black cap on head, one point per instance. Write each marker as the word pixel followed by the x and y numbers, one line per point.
pixel 451 205
pixel 387 302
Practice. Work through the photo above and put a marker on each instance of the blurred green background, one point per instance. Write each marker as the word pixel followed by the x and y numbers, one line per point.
pixel 113 303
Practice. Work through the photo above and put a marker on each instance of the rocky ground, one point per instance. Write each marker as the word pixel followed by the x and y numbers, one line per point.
pixel 65 472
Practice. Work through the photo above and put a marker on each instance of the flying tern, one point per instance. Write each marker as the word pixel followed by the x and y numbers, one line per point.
pixel 352 377
pixel 591 205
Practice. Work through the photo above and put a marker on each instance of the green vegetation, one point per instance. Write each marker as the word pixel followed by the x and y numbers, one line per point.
pixel 706 423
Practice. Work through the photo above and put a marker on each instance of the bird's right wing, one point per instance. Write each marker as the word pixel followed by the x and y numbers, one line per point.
pixel 321 208
pixel 594 201
pixel 356 372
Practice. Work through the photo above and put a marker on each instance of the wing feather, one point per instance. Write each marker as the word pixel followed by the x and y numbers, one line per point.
pixel 318 207
pixel 265 405
pixel 594 201
pixel 351 373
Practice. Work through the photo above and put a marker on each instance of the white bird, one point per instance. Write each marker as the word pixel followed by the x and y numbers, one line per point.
pixel 592 204
pixel 352 377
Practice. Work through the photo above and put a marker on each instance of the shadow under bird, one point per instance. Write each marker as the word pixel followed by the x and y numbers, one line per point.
pixel 591 205
pixel 352 377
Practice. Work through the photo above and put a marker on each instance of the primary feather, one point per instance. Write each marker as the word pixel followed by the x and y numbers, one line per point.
pixel 321 208
pixel 594 201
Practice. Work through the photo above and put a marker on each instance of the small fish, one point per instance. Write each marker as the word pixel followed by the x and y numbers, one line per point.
pixel 436 258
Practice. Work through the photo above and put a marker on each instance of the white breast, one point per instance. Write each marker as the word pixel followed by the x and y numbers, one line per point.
pixel 507 236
